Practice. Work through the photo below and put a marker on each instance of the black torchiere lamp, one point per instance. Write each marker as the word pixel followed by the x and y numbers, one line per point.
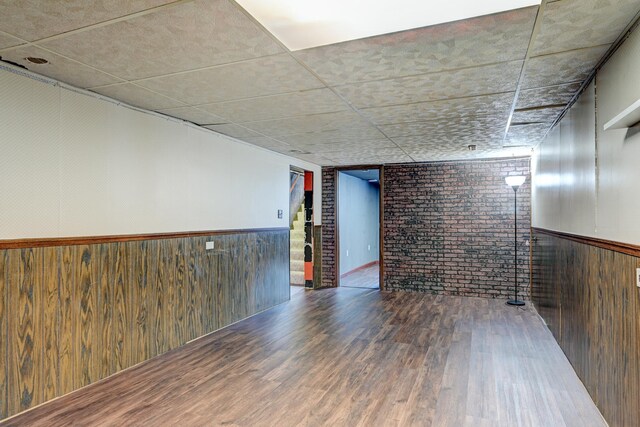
pixel 515 182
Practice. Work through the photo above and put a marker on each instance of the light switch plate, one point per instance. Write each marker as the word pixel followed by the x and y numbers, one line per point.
pixel 638 277
pixel 210 245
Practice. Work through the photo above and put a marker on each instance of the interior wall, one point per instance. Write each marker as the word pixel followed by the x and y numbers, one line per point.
pixel 448 228
pixel 72 315
pixel 585 179
pixel 75 165
pixel 586 201
pixel 358 222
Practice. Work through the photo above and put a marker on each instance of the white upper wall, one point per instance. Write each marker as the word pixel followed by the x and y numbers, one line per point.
pixel 586 180
pixel 74 165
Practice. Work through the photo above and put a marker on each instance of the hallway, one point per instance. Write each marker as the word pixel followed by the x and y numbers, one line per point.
pixel 348 357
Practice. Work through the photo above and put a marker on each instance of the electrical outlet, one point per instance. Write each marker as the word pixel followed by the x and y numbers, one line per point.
pixel 279 213
pixel 368 247
pixel 209 245
pixel 638 277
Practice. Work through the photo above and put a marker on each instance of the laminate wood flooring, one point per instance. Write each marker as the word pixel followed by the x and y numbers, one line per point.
pixel 348 357
pixel 368 278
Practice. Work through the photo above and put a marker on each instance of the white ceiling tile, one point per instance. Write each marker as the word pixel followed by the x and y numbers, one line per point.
pixel 381 156
pixel 490 128
pixel 191 35
pixel 194 115
pixel 484 40
pixel 526 135
pixel 59 68
pixel 467 82
pixel 234 131
pixel 552 95
pixel 559 68
pixel 7 41
pixel 574 24
pixel 311 123
pixel 464 154
pixel 445 109
pixel 36 19
pixel 257 77
pixel 291 104
pixel 138 97
pixel 348 135
pixel 352 148
pixel 266 142
pixel 544 115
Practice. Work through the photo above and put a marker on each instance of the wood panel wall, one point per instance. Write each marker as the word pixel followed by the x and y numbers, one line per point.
pixel 588 296
pixel 72 315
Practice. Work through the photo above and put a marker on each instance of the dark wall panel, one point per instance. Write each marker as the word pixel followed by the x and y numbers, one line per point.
pixel 588 297
pixel 72 315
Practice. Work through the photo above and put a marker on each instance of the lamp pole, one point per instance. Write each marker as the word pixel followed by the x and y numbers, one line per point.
pixel 515 182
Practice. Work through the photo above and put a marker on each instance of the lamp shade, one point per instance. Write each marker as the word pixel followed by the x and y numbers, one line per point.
pixel 515 181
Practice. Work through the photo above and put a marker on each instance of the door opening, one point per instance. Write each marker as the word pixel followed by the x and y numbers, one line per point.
pixel 359 228
pixel 301 230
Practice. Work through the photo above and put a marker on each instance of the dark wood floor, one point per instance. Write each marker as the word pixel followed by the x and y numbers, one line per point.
pixel 367 278
pixel 348 357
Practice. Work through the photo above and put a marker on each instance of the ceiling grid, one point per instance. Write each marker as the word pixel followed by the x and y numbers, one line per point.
pixel 498 81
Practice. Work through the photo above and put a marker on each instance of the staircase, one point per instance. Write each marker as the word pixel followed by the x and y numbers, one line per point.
pixel 296 242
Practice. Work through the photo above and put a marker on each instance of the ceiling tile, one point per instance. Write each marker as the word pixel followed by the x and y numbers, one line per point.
pixel 258 77
pixel 574 24
pixel 342 136
pixel 436 110
pixel 36 19
pixel 59 68
pixel 526 135
pixel 311 123
pixel 234 131
pixel 544 115
pixel 192 35
pixel 471 42
pixel 353 147
pixel 553 95
pixel 430 87
pixel 7 41
pixel 194 115
pixel 380 156
pixel 138 97
pixel 480 129
pixel 464 154
pixel 559 68
pixel 312 158
pixel 270 143
pixel 292 104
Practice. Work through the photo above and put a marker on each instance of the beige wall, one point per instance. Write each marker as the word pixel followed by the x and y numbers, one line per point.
pixel 586 180
pixel 75 165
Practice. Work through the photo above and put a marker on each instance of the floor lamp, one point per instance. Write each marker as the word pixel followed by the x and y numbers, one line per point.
pixel 515 182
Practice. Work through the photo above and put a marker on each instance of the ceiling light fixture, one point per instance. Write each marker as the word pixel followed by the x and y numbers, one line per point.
pixel 304 24
pixel 36 60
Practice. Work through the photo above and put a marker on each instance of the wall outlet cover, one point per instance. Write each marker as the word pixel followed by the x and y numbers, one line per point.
pixel 209 245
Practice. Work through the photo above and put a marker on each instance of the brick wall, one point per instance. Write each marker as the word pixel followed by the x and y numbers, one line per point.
pixel 328 228
pixel 448 228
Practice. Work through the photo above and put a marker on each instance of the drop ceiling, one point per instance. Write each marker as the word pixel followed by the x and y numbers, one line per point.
pixel 419 95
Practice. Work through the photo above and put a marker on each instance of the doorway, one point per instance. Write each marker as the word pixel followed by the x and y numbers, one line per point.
pixel 358 228
pixel 300 230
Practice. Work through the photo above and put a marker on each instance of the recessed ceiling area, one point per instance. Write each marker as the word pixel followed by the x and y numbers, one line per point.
pixel 423 94
pixel 305 24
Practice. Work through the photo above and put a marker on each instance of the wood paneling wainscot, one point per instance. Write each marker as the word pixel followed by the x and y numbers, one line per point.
pixel 73 312
pixel 585 289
